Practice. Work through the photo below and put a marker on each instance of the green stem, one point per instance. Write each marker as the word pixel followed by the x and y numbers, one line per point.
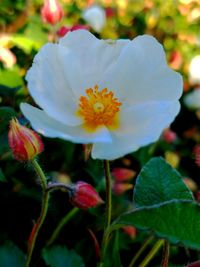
pixel 143 247
pixel 165 259
pixel 40 174
pixel 40 220
pixel 152 253
pixel 62 223
pixel 108 194
pixel 108 208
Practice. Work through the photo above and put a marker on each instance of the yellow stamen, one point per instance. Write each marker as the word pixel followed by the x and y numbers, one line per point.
pixel 99 108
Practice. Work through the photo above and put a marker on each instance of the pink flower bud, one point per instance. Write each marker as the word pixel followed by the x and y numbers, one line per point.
pixel 169 136
pixel 24 143
pixel 84 196
pixel 122 174
pixel 120 188
pixel 51 12
pixel 130 230
pixel 175 59
pixel 196 152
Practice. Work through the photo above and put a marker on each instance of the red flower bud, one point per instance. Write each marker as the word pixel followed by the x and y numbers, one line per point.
pixel 51 12
pixel 24 143
pixel 84 196
pixel 122 174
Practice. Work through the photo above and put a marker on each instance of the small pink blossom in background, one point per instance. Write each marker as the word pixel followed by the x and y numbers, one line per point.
pixel 169 136
pixel 85 196
pixel 196 152
pixel 51 12
pixel 64 29
pixel 24 143
pixel 110 12
pixel 7 57
pixel 130 230
pixel 121 188
pixel 175 60
pixel 122 174
pixel 190 184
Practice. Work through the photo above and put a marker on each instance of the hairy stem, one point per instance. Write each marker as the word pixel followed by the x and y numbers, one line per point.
pixel 108 194
pixel 108 208
pixel 165 258
pixel 40 220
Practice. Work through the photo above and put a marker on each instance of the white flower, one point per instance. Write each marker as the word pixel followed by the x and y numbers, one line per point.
pixel 118 95
pixel 95 16
pixel 194 70
pixel 192 100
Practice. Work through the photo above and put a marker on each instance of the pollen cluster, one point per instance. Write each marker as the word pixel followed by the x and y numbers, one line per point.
pixel 99 108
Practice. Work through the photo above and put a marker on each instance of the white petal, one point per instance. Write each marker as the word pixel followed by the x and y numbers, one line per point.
pixel 49 127
pixel 95 57
pixel 141 73
pixel 141 125
pixel 49 86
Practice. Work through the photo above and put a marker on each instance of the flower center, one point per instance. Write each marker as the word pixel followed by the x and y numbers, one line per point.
pixel 99 108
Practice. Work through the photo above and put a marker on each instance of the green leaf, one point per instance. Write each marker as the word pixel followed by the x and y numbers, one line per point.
pixel 58 256
pixel 24 43
pixel 2 176
pixel 11 78
pixel 158 182
pixel 178 221
pixel 6 114
pixel 4 147
pixel 11 255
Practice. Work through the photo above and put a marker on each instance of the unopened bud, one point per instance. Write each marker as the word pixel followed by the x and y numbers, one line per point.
pixel 84 196
pixel 51 12
pixel 24 143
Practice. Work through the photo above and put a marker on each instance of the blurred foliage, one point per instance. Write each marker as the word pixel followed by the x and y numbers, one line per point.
pixel 176 24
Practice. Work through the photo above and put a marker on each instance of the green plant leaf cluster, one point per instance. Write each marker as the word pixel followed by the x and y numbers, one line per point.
pixel 166 206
